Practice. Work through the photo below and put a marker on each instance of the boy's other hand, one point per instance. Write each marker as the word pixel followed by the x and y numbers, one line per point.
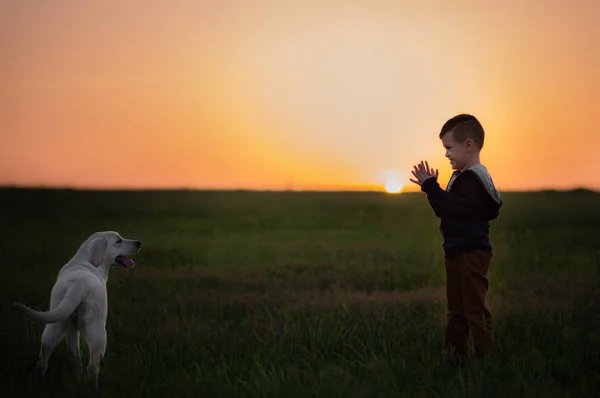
pixel 422 172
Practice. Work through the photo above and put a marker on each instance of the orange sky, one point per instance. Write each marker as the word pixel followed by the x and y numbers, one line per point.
pixel 302 94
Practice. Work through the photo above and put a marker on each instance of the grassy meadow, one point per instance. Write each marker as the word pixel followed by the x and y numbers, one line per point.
pixel 302 294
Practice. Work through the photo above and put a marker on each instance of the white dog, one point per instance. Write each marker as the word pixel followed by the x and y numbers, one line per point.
pixel 78 302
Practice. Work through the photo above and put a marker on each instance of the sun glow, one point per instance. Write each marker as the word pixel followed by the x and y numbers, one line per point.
pixel 393 186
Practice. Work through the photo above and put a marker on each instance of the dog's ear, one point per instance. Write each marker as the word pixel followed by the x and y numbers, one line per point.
pixel 97 250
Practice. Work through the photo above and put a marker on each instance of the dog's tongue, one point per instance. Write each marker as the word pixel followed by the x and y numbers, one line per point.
pixel 127 262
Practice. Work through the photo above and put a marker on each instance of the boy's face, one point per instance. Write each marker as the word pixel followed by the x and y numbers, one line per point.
pixel 457 152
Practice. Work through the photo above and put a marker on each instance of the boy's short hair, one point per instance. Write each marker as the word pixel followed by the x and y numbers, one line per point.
pixel 464 126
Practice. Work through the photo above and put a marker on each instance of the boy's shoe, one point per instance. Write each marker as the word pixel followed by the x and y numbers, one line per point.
pixel 454 359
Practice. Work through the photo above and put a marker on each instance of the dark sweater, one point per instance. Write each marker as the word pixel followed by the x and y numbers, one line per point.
pixel 465 212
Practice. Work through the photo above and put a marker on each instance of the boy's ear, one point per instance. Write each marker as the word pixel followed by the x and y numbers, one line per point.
pixel 469 143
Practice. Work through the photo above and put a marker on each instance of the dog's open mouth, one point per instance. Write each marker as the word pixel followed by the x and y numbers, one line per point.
pixel 124 261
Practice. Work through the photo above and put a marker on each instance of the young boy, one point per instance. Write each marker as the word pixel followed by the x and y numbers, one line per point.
pixel 465 208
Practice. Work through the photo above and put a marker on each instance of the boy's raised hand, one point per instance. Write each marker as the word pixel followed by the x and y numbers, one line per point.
pixel 422 172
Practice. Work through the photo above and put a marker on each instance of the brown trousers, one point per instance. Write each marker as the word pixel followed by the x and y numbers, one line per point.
pixel 466 287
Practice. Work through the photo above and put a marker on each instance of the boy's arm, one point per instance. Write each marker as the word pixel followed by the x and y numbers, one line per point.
pixel 460 202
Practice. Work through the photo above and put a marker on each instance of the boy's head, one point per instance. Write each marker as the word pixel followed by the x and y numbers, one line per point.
pixel 463 137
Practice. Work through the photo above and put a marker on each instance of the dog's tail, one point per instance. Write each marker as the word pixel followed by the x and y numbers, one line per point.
pixel 62 311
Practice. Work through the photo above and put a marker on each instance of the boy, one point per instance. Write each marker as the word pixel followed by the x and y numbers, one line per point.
pixel 465 208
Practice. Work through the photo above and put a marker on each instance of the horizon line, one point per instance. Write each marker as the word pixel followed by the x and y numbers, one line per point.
pixel 208 189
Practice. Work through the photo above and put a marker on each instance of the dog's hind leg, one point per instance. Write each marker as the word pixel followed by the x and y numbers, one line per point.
pixel 95 338
pixel 53 334
pixel 73 345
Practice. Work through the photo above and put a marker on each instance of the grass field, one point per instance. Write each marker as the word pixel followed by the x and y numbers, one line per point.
pixel 249 294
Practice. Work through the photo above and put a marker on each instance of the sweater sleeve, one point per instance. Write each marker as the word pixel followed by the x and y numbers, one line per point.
pixel 462 200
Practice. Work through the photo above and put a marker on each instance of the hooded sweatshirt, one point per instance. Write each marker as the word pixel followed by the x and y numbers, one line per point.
pixel 465 208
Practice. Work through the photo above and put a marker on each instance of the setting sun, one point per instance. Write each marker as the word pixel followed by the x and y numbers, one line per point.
pixel 393 186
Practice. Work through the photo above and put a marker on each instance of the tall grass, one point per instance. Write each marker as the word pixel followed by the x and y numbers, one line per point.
pixel 304 294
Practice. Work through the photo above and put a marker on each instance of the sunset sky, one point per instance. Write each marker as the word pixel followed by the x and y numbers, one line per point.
pixel 295 94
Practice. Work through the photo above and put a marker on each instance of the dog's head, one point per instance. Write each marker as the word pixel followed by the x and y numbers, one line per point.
pixel 109 248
